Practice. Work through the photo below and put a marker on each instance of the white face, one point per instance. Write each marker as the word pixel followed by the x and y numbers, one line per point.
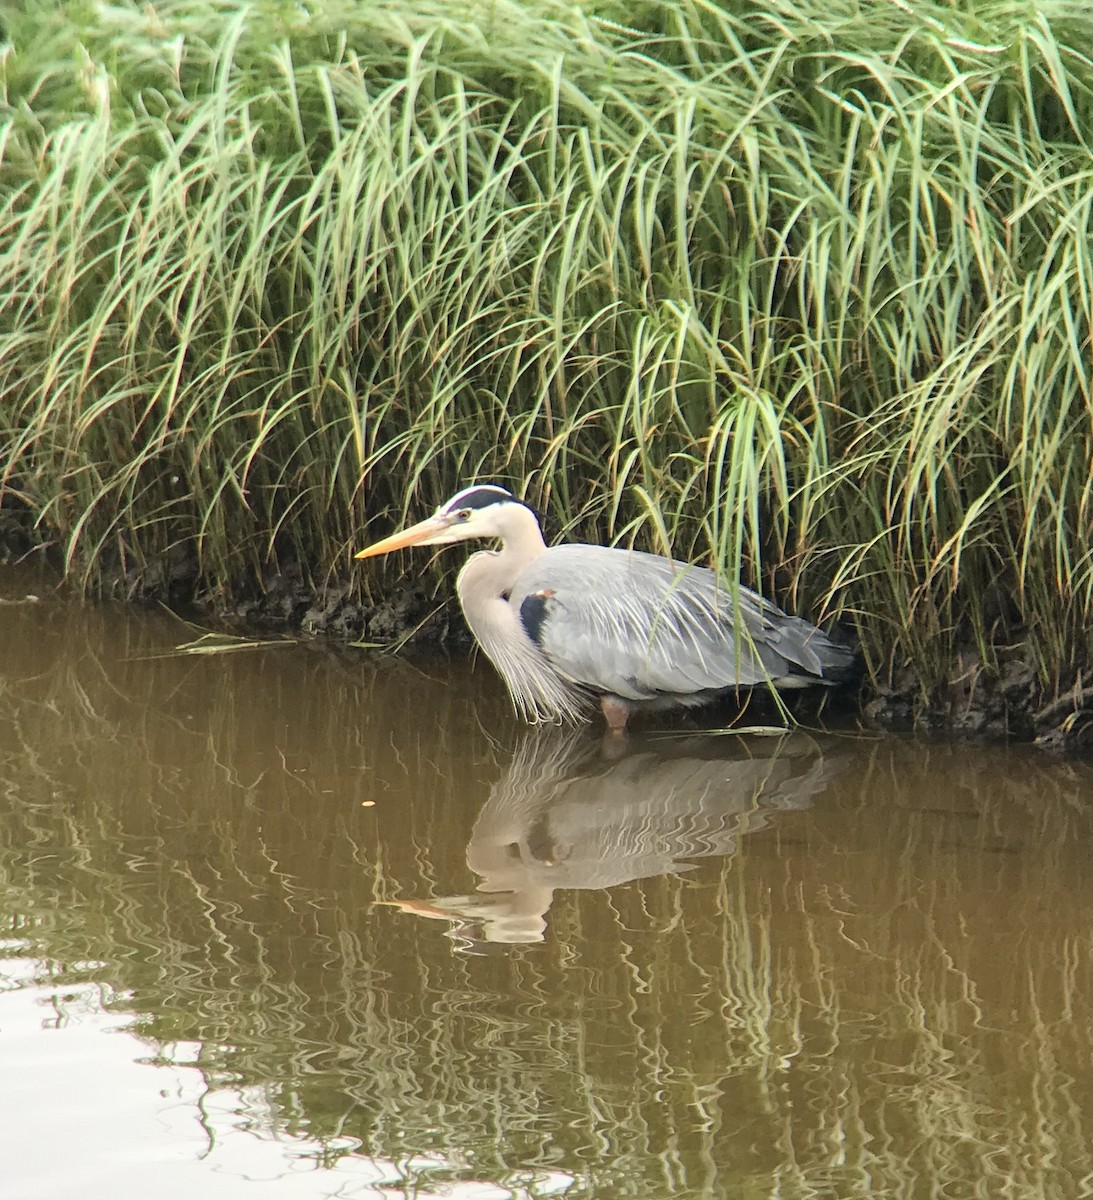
pixel 461 524
pixel 475 512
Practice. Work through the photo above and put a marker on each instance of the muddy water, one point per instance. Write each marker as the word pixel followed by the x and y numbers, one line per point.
pixel 285 923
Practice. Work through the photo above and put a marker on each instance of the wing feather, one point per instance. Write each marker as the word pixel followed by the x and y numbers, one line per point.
pixel 641 626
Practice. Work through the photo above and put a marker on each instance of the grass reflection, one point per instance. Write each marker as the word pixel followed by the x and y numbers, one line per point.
pixel 881 991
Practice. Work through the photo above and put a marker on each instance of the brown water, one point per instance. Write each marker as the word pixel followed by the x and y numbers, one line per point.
pixel 287 923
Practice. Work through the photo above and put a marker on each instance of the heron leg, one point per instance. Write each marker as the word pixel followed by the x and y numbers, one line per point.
pixel 616 713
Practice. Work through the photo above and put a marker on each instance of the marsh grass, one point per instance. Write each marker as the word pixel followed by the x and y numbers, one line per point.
pixel 803 290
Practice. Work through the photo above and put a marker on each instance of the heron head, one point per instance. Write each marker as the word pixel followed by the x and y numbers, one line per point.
pixel 475 512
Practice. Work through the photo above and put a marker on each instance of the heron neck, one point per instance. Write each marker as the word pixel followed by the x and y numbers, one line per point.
pixel 483 587
pixel 490 574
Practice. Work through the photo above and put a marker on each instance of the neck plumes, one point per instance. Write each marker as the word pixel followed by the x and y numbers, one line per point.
pixel 484 584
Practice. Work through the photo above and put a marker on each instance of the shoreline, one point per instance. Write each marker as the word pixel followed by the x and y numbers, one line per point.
pixel 980 705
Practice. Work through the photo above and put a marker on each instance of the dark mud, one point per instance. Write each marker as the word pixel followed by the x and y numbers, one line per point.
pixel 981 702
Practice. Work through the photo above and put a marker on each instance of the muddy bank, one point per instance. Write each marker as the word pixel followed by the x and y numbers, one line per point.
pixel 980 703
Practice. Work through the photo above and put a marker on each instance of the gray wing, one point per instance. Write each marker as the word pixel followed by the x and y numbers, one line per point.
pixel 642 626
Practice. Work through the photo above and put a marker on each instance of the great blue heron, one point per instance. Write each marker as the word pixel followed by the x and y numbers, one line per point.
pixel 568 625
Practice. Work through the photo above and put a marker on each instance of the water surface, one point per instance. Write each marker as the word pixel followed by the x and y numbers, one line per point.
pixel 291 922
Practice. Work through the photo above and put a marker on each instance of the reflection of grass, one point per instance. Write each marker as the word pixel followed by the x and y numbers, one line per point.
pixel 225 643
pixel 830 1013
pixel 802 288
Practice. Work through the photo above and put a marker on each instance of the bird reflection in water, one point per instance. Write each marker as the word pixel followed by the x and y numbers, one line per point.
pixel 565 815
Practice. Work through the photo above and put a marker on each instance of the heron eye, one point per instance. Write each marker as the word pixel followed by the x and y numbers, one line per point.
pixel 464 514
